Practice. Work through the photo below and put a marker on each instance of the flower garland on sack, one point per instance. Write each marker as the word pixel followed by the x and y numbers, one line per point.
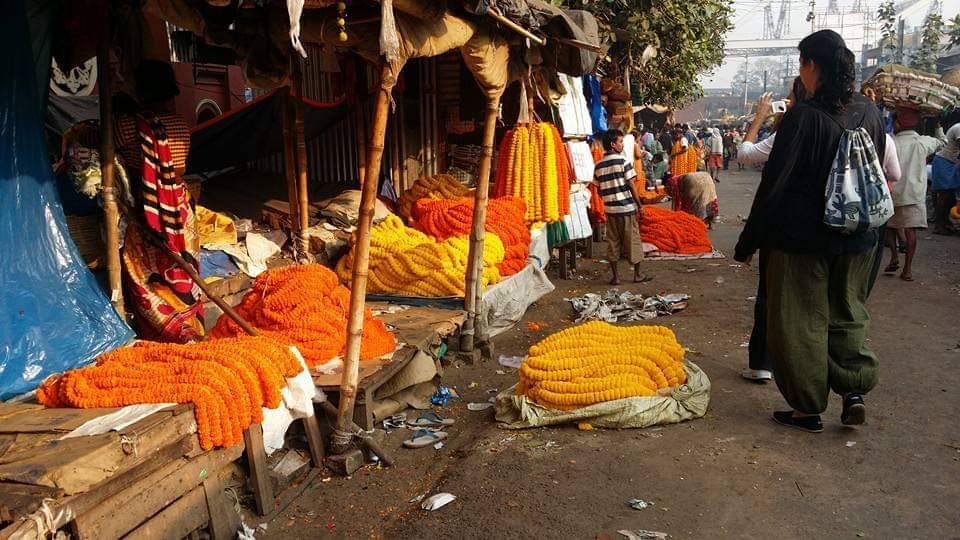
pixel 442 219
pixel 404 260
pixel 674 232
pixel 229 382
pixel 441 186
pixel 533 165
pixel 306 306
pixel 597 362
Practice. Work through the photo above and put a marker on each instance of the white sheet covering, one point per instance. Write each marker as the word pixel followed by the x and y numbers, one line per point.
pixel 574 113
pixel 582 160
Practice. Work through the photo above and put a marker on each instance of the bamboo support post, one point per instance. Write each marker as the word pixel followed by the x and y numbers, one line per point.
pixel 303 193
pixel 472 298
pixel 110 211
pixel 495 13
pixel 342 435
pixel 289 161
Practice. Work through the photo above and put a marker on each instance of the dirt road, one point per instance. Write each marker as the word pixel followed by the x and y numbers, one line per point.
pixel 731 474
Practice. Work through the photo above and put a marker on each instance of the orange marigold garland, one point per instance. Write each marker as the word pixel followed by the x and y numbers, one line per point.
pixel 674 232
pixel 533 165
pixel 229 382
pixel 306 306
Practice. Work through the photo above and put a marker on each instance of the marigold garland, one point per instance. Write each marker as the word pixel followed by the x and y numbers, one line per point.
pixel 403 260
pixel 533 165
pixel 229 382
pixel 597 361
pixel 441 186
pixel 683 161
pixel 442 219
pixel 306 306
pixel 674 232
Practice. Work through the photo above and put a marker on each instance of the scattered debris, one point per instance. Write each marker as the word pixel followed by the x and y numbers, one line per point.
pixel 585 426
pixel 719 280
pixel 745 344
pixel 473 406
pixel 438 446
pixel 396 421
pixel 473 384
pixel 536 326
pixel 245 532
pixel 639 504
pixel 442 396
pixel 851 444
pixel 641 534
pixel 417 499
pixel 512 362
pixel 616 306
pixel 501 372
pixel 437 501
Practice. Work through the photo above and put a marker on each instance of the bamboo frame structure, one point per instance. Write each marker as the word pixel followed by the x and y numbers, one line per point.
pixel 107 160
pixel 473 297
pixel 303 193
pixel 289 160
pixel 342 435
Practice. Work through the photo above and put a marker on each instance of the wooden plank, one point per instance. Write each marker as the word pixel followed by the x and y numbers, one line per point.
pixel 224 520
pixel 127 509
pixel 75 465
pixel 185 515
pixel 10 409
pixel 32 420
pixel 65 509
pixel 18 500
pixel 312 430
pixel 259 475
pixel 371 373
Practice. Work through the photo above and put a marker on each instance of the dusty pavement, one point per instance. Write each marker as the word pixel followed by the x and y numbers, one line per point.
pixel 731 474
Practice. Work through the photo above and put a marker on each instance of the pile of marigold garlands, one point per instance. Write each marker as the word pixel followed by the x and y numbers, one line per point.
pixel 406 261
pixel 674 232
pixel 441 186
pixel 683 161
pixel 445 218
pixel 229 382
pixel 532 165
pixel 596 362
pixel 306 306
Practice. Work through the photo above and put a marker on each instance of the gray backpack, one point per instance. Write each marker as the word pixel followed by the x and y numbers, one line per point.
pixel 857 195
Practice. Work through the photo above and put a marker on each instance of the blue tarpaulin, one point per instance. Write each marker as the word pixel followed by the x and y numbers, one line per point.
pixel 53 316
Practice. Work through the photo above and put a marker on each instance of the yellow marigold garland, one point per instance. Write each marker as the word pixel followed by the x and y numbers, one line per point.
pixel 533 166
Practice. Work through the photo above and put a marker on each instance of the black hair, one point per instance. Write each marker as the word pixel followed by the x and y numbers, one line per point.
pixel 799 91
pixel 155 82
pixel 950 119
pixel 609 137
pixel 837 68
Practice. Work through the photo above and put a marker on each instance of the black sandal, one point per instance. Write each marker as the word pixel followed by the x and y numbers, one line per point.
pixel 810 424
pixel 854 410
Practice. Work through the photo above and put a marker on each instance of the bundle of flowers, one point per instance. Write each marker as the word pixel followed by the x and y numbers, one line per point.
pixel 445 218
pixel 597 362
pixel 306 306
pixel 405 261
pixel 683 162
pixel 533 165
pixel 674 232
pixel 229 382
pixel 441 186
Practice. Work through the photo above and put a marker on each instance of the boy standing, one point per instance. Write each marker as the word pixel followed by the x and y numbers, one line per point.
pixel 614 176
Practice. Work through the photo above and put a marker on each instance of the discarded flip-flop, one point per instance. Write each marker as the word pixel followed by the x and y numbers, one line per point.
pixel 430 419
pixel 423 437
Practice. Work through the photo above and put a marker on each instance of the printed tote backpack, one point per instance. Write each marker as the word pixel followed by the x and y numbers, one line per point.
pixel 857 195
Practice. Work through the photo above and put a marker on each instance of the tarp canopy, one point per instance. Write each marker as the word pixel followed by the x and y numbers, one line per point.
pixel 53 315
pixel 254 131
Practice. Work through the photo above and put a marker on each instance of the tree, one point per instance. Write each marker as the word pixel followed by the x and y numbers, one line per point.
pixel 752 72
pixel 889 42
pixel 925 58
pixel 953 32
pixel 666 44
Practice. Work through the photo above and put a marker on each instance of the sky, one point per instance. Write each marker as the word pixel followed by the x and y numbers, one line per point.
pixel 749 23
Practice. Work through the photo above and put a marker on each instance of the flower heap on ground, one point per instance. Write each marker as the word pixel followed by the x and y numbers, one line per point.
pixel 445 218
pixel 406 261
pixel 596 362
pixel 441 186
pixel 229 381
pixel 532 165
pixel 674 232
pixel 306 306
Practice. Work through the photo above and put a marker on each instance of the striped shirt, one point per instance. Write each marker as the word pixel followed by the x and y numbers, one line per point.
pixel 613 175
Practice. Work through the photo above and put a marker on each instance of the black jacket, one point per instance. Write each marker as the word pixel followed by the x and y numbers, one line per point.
pixel 787 212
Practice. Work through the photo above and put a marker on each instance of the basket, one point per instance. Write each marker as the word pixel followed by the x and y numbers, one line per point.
pixel 85 231
pixel 194 187
pixel 903 89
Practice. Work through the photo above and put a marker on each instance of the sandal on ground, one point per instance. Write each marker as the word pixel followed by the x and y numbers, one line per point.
pixel 643 278
pixel 810 424
pixel 424 437
pixel 430 419
pixel 891 268
pixel 757 375
pixel 854 410
pixel 906 277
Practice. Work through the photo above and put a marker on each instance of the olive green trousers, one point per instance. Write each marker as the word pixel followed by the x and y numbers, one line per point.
pixel 817 324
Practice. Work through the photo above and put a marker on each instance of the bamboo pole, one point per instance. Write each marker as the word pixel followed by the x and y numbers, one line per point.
pixel 472 298
pixel 110 211
pixel 342 436
pixel 289 160
pixel 303 193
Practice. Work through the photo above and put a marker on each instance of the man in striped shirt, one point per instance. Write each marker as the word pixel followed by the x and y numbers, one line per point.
pixel 614 176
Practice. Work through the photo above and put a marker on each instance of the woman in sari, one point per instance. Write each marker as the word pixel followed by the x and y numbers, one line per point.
pixel 153 145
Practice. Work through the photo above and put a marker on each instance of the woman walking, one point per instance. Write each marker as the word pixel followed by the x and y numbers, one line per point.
pixel 816 279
